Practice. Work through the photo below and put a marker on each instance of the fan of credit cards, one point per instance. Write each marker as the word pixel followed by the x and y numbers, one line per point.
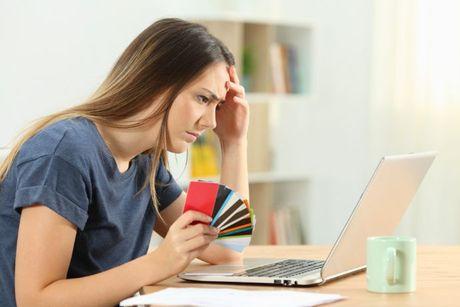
pixel 229 211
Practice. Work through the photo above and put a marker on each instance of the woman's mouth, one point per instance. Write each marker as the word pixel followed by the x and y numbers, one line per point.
pixel 192 135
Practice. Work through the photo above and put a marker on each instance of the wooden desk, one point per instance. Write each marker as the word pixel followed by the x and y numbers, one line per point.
pixel 438 278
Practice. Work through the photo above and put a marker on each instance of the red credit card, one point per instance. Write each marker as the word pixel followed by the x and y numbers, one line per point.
pixel 201 196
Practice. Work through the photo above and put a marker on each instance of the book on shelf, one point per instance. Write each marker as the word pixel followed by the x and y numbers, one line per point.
pixel 204 157
pixel 284 68
pixel 248 59
pixel 293 69
pixel 285 226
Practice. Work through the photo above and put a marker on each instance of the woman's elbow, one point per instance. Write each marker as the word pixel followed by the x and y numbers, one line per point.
pixel 28 296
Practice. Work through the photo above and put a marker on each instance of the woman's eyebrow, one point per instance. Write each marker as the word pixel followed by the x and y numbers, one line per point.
pixel 213 96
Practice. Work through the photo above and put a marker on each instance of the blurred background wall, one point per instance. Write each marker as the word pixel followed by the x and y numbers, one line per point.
pixel 384 75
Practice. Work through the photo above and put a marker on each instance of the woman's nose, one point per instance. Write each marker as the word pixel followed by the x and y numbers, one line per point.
pixel 208 120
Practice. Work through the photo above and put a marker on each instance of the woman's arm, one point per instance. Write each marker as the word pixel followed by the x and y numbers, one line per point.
pixel 234 174
pixel 234 168
pixel 232 129
pixel 44 251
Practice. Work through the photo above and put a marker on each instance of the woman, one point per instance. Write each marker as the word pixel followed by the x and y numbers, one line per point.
pixel 81 189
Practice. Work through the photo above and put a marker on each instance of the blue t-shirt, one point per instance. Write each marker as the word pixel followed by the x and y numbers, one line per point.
pixel 68 167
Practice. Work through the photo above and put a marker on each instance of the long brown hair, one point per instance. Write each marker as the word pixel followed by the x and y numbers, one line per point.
pixel 158 64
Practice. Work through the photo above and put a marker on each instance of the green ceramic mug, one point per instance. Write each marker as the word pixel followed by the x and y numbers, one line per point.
pixel 391 264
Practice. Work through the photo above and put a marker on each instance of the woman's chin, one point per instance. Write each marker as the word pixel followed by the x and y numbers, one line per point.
pixel 178 148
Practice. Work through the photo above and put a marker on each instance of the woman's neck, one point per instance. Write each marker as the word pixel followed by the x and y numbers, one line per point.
pixel 127 143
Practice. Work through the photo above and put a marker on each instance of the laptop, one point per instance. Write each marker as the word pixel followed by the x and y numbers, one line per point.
pixel 377 213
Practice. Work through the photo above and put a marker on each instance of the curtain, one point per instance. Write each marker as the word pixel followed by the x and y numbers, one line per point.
pixel 415 105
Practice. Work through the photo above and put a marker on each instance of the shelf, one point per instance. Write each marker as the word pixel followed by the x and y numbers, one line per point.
pixel 239 17
pixel 271 56
pixel 263 177
pixel 266 177
pixel 258 97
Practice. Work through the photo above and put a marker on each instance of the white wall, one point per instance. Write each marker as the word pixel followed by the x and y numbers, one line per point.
pixel 53 54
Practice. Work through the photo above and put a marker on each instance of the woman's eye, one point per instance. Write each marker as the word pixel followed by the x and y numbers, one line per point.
pixel 203 99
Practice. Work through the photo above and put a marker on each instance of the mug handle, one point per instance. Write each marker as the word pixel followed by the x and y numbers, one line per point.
pixel 390 267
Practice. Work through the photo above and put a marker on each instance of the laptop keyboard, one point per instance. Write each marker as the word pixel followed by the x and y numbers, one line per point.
pixel 285 268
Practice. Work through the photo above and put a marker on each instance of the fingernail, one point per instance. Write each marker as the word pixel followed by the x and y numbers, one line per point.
pixel 209 219
pixel 215 229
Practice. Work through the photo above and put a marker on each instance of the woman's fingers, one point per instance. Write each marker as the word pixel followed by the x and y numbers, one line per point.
pixel 197 242
pixel 237 89
pixel 238 99
pixel 191 216
pixel 233 75
pixel 198 229
pixel 196 252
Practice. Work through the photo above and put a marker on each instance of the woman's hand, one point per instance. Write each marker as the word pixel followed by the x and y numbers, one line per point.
pixel 232 117
pixel 185 241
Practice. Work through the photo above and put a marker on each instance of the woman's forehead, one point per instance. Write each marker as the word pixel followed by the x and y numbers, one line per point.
pixel 214 78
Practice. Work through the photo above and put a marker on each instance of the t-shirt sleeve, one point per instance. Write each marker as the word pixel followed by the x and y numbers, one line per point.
pixel 167 189
pixel 56 184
